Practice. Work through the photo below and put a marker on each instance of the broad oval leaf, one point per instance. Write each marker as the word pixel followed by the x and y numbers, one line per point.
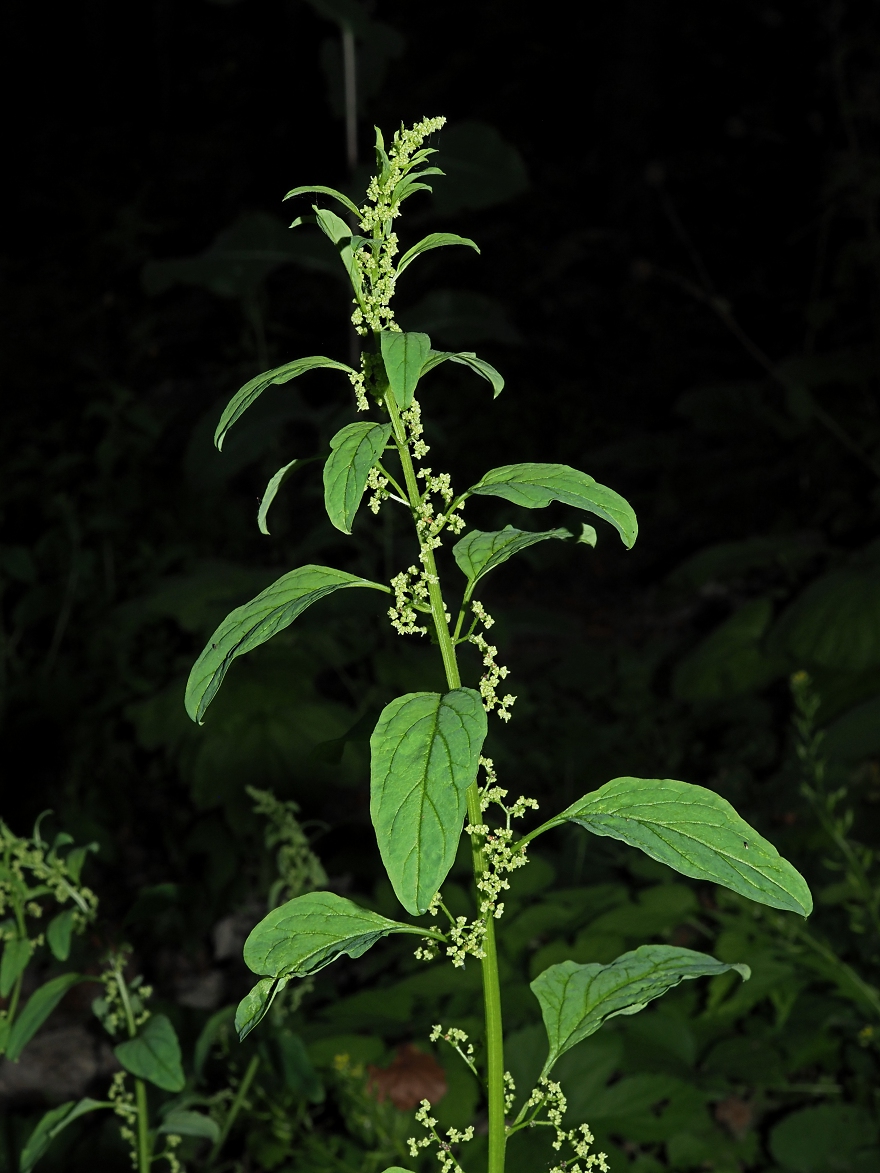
pixel 425 751
pixel 535 485
pixel 353 452
pixel 404 356
pixel 270 494
pixel 466 358
pixel 477 553
pixel 433 240
pixel 253 623
pixel 59 932
pixel 53 1122
pixel 184 1122
pixel 576 999
pixel 16 955
pixel 695 831
pixel 330 191
pixel 154 1055
pixel 308 932
pixel 251 391
pixel 39 1006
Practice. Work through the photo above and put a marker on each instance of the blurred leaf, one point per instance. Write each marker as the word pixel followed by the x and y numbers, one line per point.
pixel 482 169
pixel 828 1138
pixel 58 934
pixel 50 1125
pixel 730 661
pixel 16 955
pixel 460 318
pixel 39 1006
pixel 834 623
pixel 182 1122
pixel 856 735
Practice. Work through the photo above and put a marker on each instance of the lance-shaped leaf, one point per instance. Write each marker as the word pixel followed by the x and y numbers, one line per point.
pixel 577 999
pixel 695 831
pixel 433 240
pixel 54 1121
pixel 477 553
pixel 59 932
pixel 252 624
pixel 404 356
pixel 154 1054
pixel 466 358
pixel 330 191
pixel 184 1122
pixel 269 496
pixel 39 1006
pixel 536 485
pixel 246 395
pixel 301 937
pixel 336 229
pixel 353 452
pixel 16 955
pixel 425 751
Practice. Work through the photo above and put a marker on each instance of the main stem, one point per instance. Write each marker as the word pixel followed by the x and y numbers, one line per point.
pixel 491 983
pixel 144 1149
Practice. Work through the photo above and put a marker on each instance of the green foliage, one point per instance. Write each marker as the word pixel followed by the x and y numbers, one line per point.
pixel 154 1054
pixel 54 1122
pixel 477 553
pixel 576 999
pixel 355 450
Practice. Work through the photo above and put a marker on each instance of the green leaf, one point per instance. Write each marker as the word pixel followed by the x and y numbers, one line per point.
pixel 694 831
pixel 252 624
pixel 271 491
pixel 433 240
pixel 76 858
pixel 154 1055
pixel 466 358
pixel 477 553
pixel 425 751
pixel 39 1006
pixel 50 1125
pixel 404 356
pixel 251 391
pixel 182 1122
pixel 59 932
pixel 576 999
pixel 330 191
pixel 211 1032
pixel 254 1006
pixel 534 486
pixel 826 1137
pixel 336 229
pixel 16 955
pixel 588 535
pixel 354 451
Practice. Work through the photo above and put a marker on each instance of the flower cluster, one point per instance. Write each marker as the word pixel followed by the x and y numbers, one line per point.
pixel 124 1107
pixel 494 673
pixel 448 1163
pixel 549 1098
pixel 412 418
pixel 410 592
pixel 385 193
pixel 456 1039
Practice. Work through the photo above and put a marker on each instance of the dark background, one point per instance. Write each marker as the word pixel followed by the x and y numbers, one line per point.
pixel 682 298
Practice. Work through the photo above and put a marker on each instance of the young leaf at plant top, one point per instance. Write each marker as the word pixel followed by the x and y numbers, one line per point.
pixel 154 1054
pixel 477 553
pixel 253 623
pixel 576 999
pixel 39 1006
pixel 695 831
pixel 309 932
pixel 466 358
pixel 50 1125
pixel 354 451
pixel 425 751
pixel 433 240
pixel 251 391
pixel 534 486
pixel 404 356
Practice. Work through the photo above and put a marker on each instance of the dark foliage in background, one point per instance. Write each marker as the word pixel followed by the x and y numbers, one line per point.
pixel 679 282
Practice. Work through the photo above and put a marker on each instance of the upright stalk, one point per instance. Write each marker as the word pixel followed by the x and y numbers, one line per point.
pixel 144 1148
pixel 491 982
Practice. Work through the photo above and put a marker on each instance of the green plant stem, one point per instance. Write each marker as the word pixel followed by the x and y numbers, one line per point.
pixel 144 1148
pixel 234 1109
pixel 491 982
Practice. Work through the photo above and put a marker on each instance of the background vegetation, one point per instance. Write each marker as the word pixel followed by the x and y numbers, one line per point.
pixel 678 210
